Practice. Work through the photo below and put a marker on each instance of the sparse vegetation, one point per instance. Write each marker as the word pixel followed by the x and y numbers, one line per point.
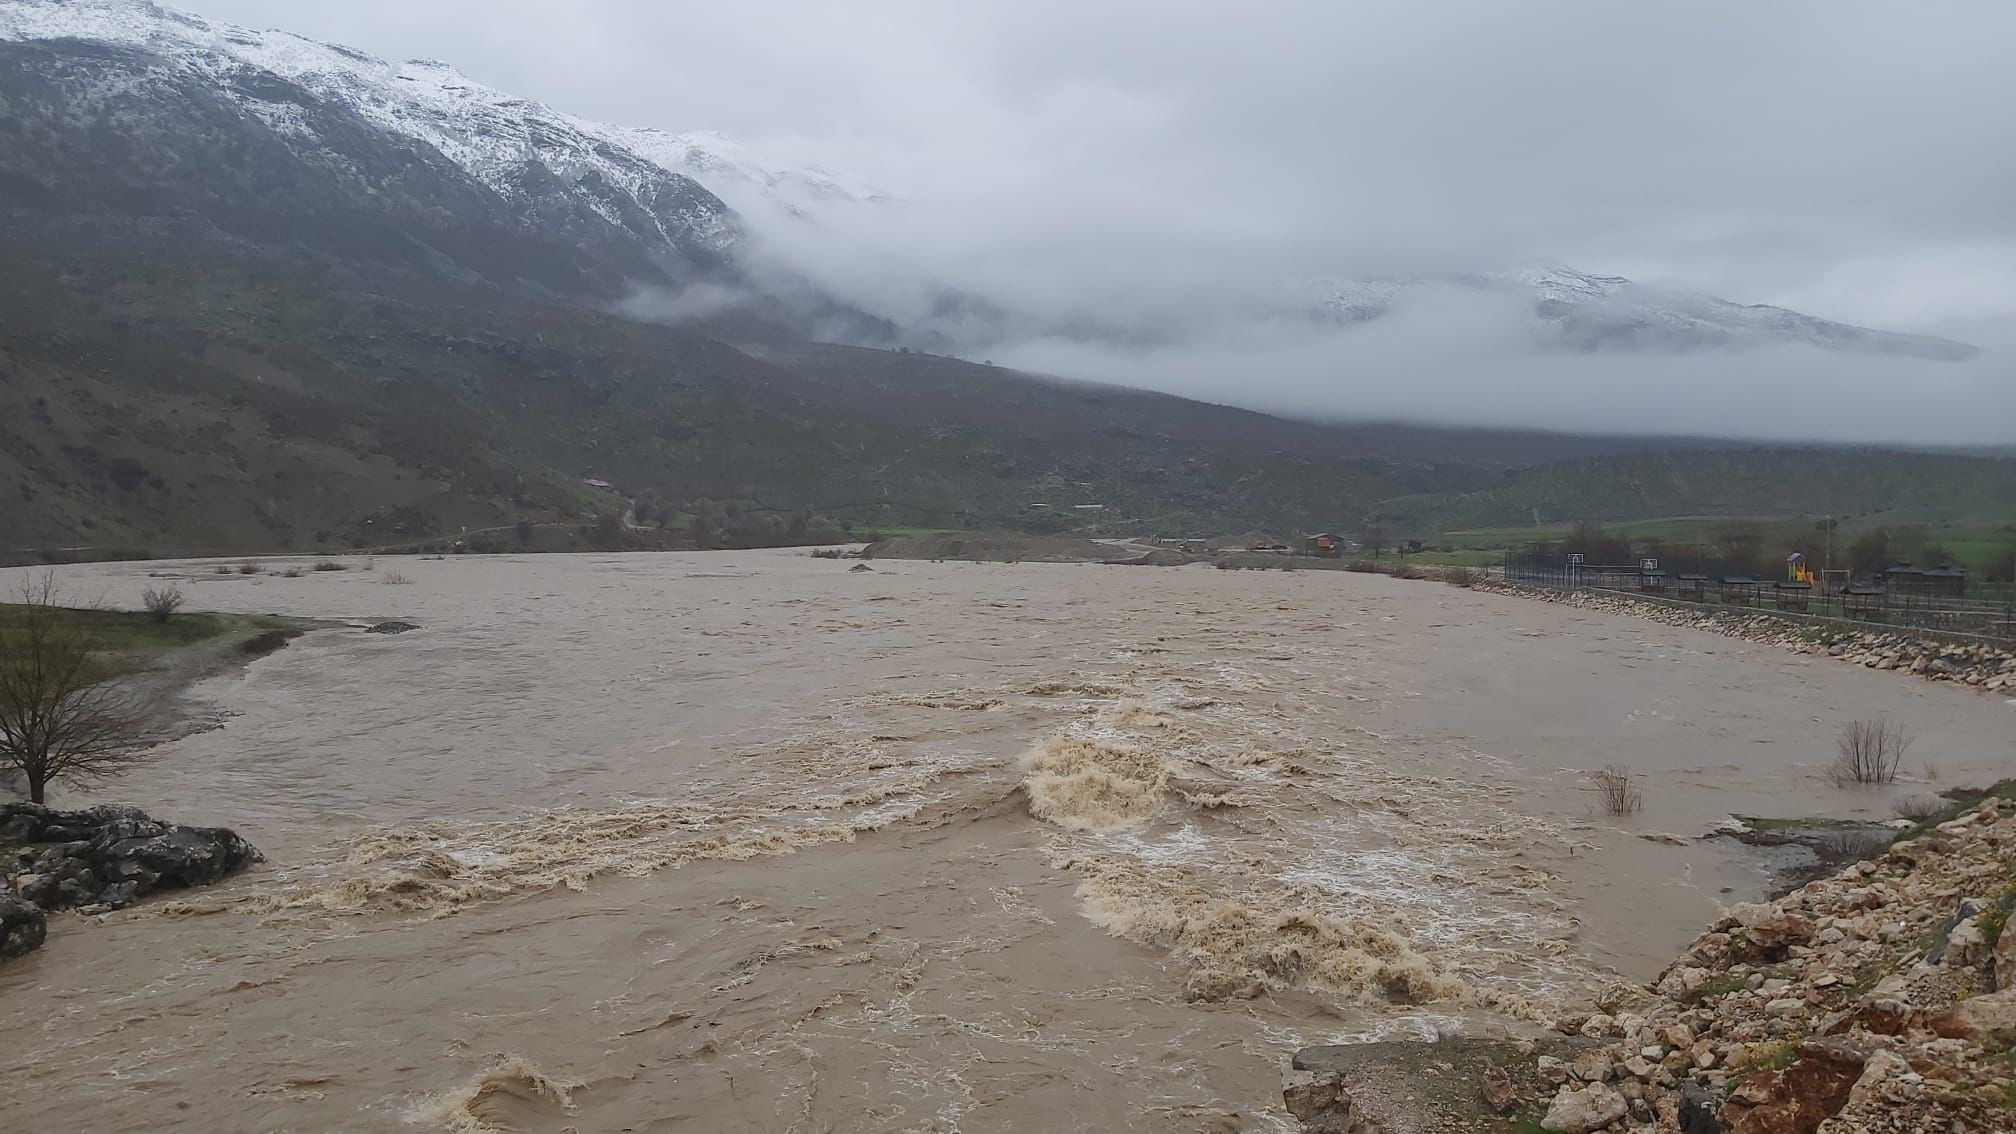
pixel 1619 791
pixel 1869 752
pixel 1854 845
pixel 248 568
pixel 1458 576
pixel 221 569
pixel 162 602
pixel 1772 1055
pixel 329 565
pixel 394 577
pixel 1717 986
pixel 64 714
pixel 1918 808
pixel 1408 571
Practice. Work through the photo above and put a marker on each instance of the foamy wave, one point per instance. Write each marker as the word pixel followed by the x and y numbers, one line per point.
pixel 1075 687
pixel 508 1097
pixel 1300 861
pixel 1239 947
pixel 445 870
pixel 1089 785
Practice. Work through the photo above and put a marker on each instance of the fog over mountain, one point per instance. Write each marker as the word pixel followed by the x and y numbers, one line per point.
pixel 1570 215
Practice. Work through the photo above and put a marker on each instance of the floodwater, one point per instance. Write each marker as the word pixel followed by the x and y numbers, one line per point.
pixel 756 842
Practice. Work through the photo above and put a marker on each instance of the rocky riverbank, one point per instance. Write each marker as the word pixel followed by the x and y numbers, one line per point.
pixel 97 860
pixel 1978 665
pixel 1881 1000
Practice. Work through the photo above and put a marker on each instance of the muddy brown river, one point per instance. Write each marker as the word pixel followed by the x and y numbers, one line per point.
pixel 755 842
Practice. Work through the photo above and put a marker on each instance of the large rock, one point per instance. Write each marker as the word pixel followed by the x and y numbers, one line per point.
pixel 1324 1106
pixel 110 856
pixel 22 925
pixel 1802 1096
pixel 1579 1112
pixel 1413 1086
pixel 1989 1020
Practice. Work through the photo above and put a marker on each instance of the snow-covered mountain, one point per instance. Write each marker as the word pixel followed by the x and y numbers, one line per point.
pixel 132 112
pixel 1578 311
pixel 138 114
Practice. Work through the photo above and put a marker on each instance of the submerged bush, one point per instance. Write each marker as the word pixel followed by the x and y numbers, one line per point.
pixel 1868 752
pixel 1619 791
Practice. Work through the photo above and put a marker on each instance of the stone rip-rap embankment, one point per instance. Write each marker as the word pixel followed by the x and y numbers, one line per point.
pixel 1979 665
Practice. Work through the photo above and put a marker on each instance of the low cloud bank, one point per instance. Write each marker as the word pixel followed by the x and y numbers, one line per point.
pixel 1478 360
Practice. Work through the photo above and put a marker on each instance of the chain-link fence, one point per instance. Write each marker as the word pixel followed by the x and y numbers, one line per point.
pixel 1991 612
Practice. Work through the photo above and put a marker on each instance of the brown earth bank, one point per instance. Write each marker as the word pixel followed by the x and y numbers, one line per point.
pixel 1879 1000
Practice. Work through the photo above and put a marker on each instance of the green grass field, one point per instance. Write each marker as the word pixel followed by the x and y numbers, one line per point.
pixel 1978 545
pixel 128 630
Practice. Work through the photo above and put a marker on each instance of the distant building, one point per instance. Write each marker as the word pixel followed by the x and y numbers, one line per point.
pixel 1945 579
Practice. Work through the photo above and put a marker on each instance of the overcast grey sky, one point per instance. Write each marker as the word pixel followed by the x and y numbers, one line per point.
pixel 1848 159
pixel 1853 160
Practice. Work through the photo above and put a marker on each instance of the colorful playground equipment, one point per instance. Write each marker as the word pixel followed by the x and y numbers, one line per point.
pixel 1796 570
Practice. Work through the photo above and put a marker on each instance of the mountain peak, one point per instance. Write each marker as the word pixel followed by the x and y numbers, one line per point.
pixel 653 197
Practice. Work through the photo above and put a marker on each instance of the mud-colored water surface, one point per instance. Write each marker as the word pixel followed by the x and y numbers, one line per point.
pixel 753 842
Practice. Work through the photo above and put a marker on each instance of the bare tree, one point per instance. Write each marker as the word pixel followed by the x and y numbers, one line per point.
pixel 162 602
pixel 1619 790
pixel 65 712
pixel 1869 752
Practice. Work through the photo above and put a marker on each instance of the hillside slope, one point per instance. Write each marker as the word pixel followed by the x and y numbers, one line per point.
pixel 1750 481
pixel 186 404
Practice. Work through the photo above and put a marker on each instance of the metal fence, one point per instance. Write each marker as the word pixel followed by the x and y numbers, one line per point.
pixel 1990 615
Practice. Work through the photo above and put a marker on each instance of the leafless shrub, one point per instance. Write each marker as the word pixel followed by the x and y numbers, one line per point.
pixel 1868 752
pixel 162 602
pixel 1619 791
pixel 826 553
pixel 221 569
pixel 329 565
pixel 1458 577
pixel 65 713
pixel 248 568
pixel 1853 846
pixel 1918 808
pixel 394 577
